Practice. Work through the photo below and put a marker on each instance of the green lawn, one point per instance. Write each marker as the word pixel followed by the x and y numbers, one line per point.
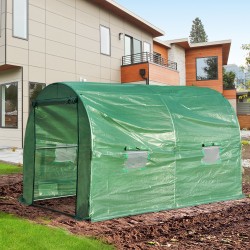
pixel 20 234
pixel 9 169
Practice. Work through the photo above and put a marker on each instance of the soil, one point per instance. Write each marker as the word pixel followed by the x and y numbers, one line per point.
pixel 222 225
pixel 246 152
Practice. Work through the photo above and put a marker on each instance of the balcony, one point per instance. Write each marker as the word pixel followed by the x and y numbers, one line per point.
pixel 148 57
pixel 149 68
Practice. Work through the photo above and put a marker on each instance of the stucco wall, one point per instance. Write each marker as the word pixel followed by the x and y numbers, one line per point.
pixel 177 54
pixel 64 45
pixel 64 42
pixel 2 32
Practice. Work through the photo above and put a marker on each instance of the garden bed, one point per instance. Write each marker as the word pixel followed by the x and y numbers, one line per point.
pixel 223 225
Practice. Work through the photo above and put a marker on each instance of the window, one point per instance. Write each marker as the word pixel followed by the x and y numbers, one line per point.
pixel 133 48
pixel 211 155
pixel 20 18
pixel 105 40
pixel 146 47
pixel 8 105
pixel 157 58
pixel 136 159
pixel 136 46
pixel 34 90
pixel 207 68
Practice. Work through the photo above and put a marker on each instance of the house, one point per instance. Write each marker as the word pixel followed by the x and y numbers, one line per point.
pixel 243 109
pixel 185 64
pixel 42 42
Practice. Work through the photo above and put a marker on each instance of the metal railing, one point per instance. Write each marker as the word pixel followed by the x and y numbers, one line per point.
pixel 148 57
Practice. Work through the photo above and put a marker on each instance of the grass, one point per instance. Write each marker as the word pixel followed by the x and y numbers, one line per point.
pixel 245 142
pixel 9 169
pixel 21 234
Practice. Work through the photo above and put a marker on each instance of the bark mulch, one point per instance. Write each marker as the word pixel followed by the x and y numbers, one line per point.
pixel 222 225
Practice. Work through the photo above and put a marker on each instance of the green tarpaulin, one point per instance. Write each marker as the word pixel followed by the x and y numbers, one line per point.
pixel 130 149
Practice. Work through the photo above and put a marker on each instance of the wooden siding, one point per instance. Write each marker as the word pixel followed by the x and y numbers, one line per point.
pixel 163 75
pixel 191 56
pixel 154 72
pixel 130 73
pixel 161 49
pixel 244 121
pixel 229 93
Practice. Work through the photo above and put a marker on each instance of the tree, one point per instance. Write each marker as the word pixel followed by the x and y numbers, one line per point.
pixel 228 79
pixel 247 48
pixel 198 34
pixel 212 68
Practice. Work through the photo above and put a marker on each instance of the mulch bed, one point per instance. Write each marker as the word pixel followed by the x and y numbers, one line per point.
pixel 223 225
pixel 246 152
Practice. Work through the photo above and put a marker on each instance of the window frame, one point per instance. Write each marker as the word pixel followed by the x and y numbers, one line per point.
pixel 149 44
pixel 27 21
pixel 157 58
pixel 107 28
pixel 197 71
pixel 133 59
pixel 1 85
pixel 132 45
pixel 29 109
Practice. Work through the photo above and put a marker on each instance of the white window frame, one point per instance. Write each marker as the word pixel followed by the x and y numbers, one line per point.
pixel 146 43
pixel 105 50
pixel 24 19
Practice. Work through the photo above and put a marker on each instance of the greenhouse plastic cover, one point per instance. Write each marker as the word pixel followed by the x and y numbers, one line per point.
pixel 131 149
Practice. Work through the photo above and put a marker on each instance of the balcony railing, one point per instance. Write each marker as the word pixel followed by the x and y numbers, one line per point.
pixel 148 57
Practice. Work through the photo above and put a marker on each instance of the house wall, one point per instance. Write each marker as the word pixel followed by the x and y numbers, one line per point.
pixel 161 49
pixel 157 74
pixel 64 45
pixel 130 73
pixel 177 54
pixel 233 104
pixel 2 32
pixel 230 94
pixel 163 76
pixel 244 121
pixel 64 42
pixel 191 56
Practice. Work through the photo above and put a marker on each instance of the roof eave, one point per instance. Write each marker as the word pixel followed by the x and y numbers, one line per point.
pixel 129 16
pixel 184 43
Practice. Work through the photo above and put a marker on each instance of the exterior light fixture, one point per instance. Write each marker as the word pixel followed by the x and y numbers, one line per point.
pixel 121 36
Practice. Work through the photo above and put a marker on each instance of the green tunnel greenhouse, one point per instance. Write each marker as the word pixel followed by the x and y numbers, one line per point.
pixel 130 149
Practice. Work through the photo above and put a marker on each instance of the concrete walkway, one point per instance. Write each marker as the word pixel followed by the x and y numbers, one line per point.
pixel 11 155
